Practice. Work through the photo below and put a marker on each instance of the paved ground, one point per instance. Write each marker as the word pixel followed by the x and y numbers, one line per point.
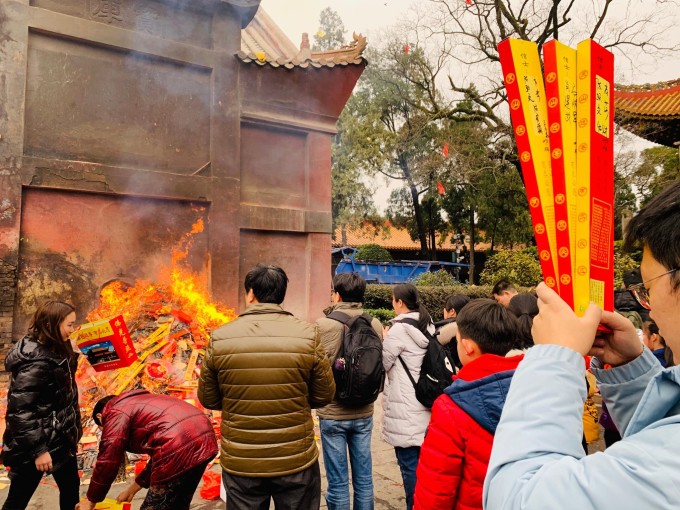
pixel 388 487
pixel 389 490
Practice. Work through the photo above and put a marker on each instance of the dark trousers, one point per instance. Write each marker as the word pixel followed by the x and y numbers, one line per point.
pixel 175 494
pixel 24 482
pixel 611 437
pixel 407 458
pixel 290 492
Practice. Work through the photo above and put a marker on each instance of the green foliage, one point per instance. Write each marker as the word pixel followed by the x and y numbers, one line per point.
pixel 380 296
pixel 622 263
pixel 624 200
pixel 635 255
pixel 439 278
pixel 331 33
pixel 373 252
pixel 659 167
pixel 481 178
pixel 351 198
pixel 502 210
pixel 387 129
pixel 519 267
pixel 382 314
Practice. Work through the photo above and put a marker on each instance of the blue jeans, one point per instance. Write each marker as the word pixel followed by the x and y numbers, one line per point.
pixel 407 458
pixel 337 436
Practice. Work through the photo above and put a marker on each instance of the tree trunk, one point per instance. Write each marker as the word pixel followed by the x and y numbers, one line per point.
pixel 431 232
pixel 417 211
pixel 472 246
pixel 433 244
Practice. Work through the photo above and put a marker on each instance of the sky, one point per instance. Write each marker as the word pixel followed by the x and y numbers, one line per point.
pixel 362 16
pixel 370 17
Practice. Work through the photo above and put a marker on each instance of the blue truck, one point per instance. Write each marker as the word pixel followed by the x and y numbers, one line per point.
pixel 393 272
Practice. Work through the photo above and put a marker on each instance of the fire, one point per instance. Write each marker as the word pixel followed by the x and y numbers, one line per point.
pixel 169 323
pixel 177 288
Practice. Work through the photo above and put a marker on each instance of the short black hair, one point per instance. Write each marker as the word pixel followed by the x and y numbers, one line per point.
pixel 525 307
pixel 656 227
pixel 651 328
pixel 456 302
pixel 489 324
pixel 268 283
pixel 99 407
pixel 502 286
pixel 350 286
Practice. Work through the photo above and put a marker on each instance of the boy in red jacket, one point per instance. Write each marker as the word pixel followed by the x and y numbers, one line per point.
pixel 455 453
pixel 178 438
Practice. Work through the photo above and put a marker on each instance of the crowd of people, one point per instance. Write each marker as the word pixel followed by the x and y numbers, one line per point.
pixel 505 431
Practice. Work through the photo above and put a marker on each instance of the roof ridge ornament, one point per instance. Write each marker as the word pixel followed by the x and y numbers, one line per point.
pixel 353 50
pixel 305 49
pixel 648 87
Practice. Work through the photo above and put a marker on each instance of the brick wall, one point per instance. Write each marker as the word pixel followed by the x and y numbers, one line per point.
pixel 8 279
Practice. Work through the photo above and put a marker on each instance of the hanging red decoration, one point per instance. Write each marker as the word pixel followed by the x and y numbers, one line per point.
pixel 445 150
pixel 406 49
pixel 440 188
pixel 468 2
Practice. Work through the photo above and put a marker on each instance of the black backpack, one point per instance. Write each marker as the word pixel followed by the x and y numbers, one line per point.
pixel 450 348
pixel 358 369
pixel 435 372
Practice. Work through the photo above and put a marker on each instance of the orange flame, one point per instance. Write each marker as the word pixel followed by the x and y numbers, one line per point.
pixel 178 288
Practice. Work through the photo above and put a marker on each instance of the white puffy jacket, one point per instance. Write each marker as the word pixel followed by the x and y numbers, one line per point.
pixel 405 419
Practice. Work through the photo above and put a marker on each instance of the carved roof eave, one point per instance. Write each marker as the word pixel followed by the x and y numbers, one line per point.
pixel 352 51
pixel 351 54
pixel 661 131
pixel 647 87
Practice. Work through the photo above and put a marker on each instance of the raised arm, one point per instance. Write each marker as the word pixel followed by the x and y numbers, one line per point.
pixel 537 461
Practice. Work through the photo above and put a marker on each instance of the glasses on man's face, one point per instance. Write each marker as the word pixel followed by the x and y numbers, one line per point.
pixel 641 293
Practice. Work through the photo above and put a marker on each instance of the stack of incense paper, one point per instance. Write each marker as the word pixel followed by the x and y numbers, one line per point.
pixel 563 127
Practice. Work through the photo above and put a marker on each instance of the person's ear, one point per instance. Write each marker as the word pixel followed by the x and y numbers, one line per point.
pixel 99 417
pixel 250 297
pixel 469 346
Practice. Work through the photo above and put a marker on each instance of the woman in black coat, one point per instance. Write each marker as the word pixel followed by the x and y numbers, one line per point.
pixel 43 417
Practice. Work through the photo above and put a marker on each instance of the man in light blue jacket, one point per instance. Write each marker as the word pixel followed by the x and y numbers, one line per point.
pixel 537 461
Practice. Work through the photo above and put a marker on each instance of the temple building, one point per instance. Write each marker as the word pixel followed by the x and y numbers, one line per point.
pixel 651 112
pixel 124 125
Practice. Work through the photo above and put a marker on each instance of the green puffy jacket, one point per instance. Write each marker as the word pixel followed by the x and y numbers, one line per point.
pixel 265 371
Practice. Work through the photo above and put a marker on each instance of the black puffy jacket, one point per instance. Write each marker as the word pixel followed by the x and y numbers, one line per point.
pixel 42 405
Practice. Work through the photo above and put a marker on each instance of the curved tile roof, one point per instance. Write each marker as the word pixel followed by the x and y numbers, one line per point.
pixel 389 237
pixel 651 111
pixel 264 43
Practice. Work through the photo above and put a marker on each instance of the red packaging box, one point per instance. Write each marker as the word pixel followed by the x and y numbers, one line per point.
pixel 106 344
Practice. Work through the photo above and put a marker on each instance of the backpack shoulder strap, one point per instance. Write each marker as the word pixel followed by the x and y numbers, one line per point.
pixel 414 323
pixel 410 321
pixel 408 372
pixel 339 316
